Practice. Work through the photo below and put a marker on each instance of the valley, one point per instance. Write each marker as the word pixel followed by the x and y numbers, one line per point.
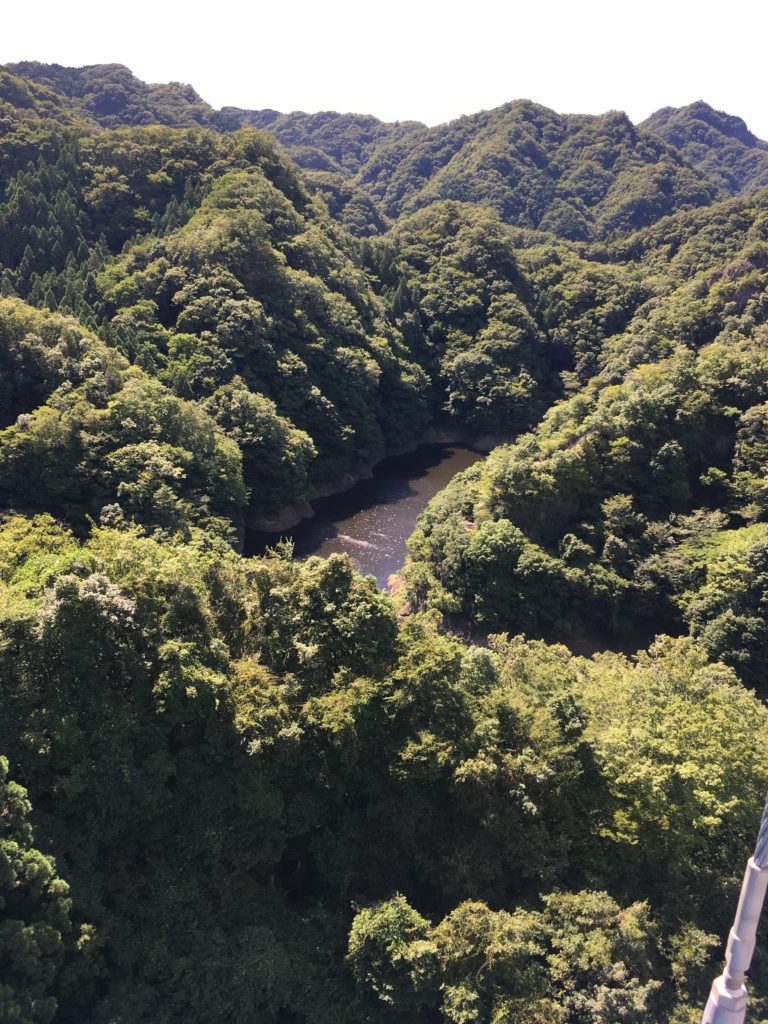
pixel 241 781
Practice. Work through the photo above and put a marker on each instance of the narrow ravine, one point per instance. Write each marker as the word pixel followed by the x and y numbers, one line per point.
pixel 373 520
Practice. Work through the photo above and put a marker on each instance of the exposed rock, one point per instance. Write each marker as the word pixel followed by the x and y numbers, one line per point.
pixel 285 519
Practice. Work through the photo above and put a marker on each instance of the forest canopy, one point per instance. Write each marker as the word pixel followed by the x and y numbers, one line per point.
pixel 521 789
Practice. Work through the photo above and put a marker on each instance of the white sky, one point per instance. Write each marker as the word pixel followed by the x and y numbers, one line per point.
pixel 418 59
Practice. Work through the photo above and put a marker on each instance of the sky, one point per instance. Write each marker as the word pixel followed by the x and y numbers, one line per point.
pixel 418 59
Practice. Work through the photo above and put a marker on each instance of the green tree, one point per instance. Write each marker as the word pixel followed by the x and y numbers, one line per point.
pixel 35 909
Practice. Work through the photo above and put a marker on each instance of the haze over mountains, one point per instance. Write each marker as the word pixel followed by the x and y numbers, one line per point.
pixel 237 789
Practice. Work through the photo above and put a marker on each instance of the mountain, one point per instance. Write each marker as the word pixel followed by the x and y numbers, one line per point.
pixel 112 96
pixel 579 177
pixel 576 176
pixel 23 99
pixel 325 141
pixel 237 789
pixel 718 144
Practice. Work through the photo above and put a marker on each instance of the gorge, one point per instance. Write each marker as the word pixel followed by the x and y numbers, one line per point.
pixel 241 787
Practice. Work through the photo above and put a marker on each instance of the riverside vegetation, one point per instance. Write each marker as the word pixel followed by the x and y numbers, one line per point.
pixel 240 789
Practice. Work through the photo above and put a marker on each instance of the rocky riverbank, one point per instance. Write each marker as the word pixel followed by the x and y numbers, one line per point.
pixel 292 515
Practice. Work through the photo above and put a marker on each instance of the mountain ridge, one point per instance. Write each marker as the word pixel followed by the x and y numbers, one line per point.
pixel 718 143
pixel 518 158
pixel 273 792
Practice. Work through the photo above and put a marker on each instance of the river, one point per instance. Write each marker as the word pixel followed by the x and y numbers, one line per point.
pixel 372 521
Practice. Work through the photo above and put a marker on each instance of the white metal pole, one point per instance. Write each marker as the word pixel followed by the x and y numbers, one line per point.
pixel 728 997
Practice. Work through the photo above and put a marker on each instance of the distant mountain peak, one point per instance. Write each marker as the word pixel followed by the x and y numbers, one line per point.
pixel 720 120
pixel 114 97
pixel 568 174
pixel 717 143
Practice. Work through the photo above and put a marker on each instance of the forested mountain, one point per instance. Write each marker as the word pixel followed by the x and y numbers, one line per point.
pixel 604 511
pixel 24 101
pixel 238 789
pixel 718 144
pixel 112 96
pixel 326 141
pixel 580 177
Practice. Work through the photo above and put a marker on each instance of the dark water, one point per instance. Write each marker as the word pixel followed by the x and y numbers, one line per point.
pixel 372 521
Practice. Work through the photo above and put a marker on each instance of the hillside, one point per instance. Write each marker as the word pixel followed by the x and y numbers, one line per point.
pixel 594 504
pixel 579 177
pixel 237 789
pixel 718 144
pixel 112 96
pixel 327 141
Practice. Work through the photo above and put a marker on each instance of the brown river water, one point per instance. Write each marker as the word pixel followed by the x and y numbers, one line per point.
pixel 372 521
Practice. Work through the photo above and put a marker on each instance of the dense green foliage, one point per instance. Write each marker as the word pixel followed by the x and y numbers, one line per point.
pixel 41 958
pixel 258 288
pixel 576 529
pixel 207 717
pixel 576 176
pixel 112 96
pixel 272 797
pixel 716 143
pixel 327 141
pixel 89 436
pixel 455 290
pixel 247 299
